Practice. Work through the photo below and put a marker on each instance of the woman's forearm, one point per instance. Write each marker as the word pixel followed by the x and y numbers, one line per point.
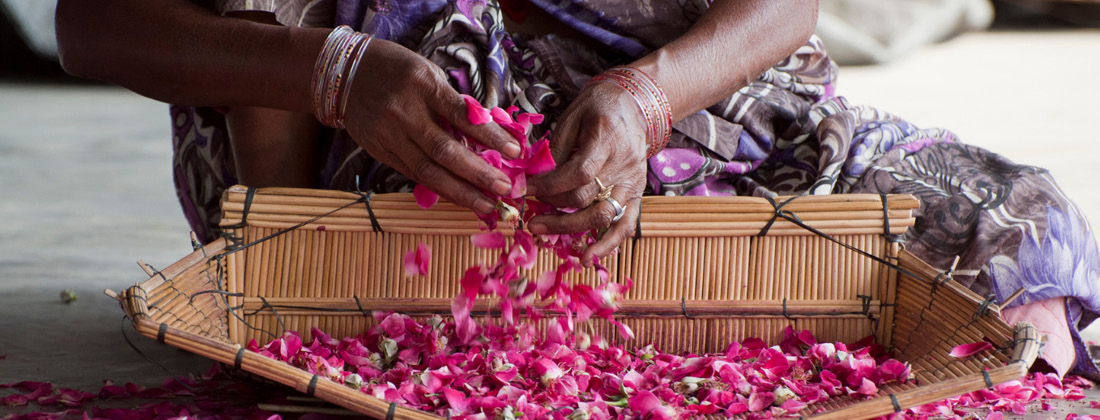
pixel 732 44
pixel 175 51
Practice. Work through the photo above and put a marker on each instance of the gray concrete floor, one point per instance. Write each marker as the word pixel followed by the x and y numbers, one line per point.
pixel 86 190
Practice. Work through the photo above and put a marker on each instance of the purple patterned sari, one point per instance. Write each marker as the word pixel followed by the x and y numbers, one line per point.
pixel 786 133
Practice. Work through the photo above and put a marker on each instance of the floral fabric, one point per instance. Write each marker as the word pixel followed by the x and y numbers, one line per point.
pixel 786 133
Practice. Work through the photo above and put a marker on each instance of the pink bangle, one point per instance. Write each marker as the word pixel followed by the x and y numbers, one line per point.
pixel 331 76
pixel 650 99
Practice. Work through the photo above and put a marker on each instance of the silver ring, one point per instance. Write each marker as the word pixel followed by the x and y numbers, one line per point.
pixel 619 209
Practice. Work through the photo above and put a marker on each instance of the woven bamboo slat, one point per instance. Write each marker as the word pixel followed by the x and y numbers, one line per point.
pixel 703 276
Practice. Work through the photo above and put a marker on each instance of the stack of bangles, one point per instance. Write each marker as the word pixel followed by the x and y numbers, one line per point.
pixel 649 97
pixel 332 74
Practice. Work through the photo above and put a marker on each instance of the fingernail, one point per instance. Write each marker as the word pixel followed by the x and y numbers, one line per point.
pixel 501 187
pixel 537 228
pixel 483 206
pixel 512 150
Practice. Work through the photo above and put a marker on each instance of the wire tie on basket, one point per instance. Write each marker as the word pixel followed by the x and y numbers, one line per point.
pixel 779 213
pixel 638 224
pixel 267 305
pixel 988 380
pixel 866 302
pixel 393 408
pixel 160 332
pixel 886 221
pixel 894 401
pixel 365 198
pixel 684 307
pixel 360 305
pixel 312 386
pixel 248 196
pixel 984 307
pixel 785 314
pixel 239 358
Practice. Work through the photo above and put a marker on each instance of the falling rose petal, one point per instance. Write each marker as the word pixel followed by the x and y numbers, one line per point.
pixel 418 260
pixel 967 350
pixel 475 113
pixel 624 331
pixel 472 281
pixel 425 198
pixel 465 327
pixel 541 161
pixel 490 240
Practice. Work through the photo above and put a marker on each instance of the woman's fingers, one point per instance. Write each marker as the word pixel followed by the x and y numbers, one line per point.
pixel 565 185
pixel 599 214
pixel 443 150
pixel 426 171
pixel 452 107
pixel 617 233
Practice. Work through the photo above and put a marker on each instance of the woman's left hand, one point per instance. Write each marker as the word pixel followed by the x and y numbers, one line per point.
pixel 601 135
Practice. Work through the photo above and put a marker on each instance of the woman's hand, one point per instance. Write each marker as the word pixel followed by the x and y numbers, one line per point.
pixel 396 103
pixel 602 134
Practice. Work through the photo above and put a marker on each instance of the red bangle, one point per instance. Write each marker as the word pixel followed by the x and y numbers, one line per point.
pixel 650 99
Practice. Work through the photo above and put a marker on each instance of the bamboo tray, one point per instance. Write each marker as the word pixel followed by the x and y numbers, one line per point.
pixel 707 271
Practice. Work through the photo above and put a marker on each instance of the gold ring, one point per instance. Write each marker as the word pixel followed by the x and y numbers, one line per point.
pixel 605 191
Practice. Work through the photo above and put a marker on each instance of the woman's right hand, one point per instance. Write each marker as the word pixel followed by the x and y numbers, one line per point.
pixel 396 102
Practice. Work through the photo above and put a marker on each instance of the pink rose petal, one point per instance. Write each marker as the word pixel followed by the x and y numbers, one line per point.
pixel 541 161
pixel 475 113
pixel 418 260
pixel 425 198
pixel 490 240
pixel 15 400
pixel 644 402
pixel 967 350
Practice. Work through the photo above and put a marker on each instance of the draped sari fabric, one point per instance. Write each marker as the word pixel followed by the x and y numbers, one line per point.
pixel 788 132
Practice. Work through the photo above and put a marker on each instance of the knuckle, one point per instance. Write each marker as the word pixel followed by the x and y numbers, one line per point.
pixel 575 199
pixel 587 171
pixel 424 170
pixel 601 216
pixel 440 148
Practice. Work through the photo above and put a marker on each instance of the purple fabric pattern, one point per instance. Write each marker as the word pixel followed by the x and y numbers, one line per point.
pixel 1063 262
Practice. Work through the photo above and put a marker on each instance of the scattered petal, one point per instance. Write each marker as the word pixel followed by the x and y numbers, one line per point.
pixel 418 260
pixel 425 198
pixel 490 240
pixel 967 350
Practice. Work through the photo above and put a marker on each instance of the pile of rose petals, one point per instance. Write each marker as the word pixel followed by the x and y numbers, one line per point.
pixel 515 372
pixel 211 396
